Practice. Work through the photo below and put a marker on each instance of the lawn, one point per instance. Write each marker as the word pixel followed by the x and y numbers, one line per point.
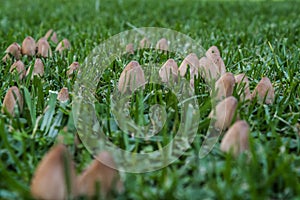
pixel 256 38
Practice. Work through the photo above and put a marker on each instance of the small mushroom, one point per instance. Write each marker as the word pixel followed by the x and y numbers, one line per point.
pixel 144 43
pixel 54 38
pixel 28 46
pixel 214 55
pixel 243 86
pixel 44 48
pixel 170 68
pixel 236 139
pixel 15 50
pixel 19 67
pixel 209 70
pixel 264 90
pixel 72 68
pixel 12 99
pixel 131 78
pixel 63 95
pixel 54 174
pixel 6 58
pixel 130 48
pixel 224 86
pixel 192 61
pixel 102 171
pixel 224 112
pixel 48 34
pixel 63 45
pixel 162 44
pixel 38 68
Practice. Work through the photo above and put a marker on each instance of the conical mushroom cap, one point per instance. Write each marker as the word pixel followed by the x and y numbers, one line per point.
pixel 131 78
pixel 63 45
pixel 236 139
pixel 192 61
pixel 170 68
pixel 38 68
pixel 106 176
pixel 243 86
pixel 224 112
pixel 162 44
pixel 224 86
pixel 15 50
pixel 214 55
pixel 209 70
pixel 28 46
pixel 19 67
pixel 50 178
pixel 12 99
pixel 264 90
pixel 44 48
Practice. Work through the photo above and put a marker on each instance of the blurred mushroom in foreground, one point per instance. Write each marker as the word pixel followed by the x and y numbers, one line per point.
pixel 102 171
pixel 55 177
pixel 144 43
pixel 12 99
pixel 264 91
pixel 131 78
pixel 236 139
pixel 130 48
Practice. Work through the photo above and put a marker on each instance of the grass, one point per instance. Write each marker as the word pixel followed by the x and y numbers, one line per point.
pixel 256 38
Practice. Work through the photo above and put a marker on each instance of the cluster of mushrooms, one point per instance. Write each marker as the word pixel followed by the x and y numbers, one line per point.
pixel 34 50
pixel 49 180
pixel 212 69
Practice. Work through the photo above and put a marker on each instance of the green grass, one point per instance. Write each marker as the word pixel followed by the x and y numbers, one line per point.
pixel 257 38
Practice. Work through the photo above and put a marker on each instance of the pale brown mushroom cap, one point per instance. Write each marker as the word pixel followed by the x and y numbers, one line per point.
pixel 130 48
pixel 192 61
pixel 224 112
pixel 224 86
pixel 243 83
pixel 44 48
pixel 236 139
pixel 38 68
pixel 15 50
pixel 209 70
pixel 28 46
pixel 49 180
pixel 162 44
pixel 54 38
pixel 12 99
pixel 101 173
pixel 48 34
pixel 6 58
pixel 131 78
pixel 72 68
pixel 214 55
pixel 19 67
pixel 63 95
pixel 264 89
pixel 63 45
pixel 145 43
pixel 170 68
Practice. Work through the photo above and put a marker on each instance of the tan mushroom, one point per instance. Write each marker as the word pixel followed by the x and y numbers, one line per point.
pixel 28 46
pixel 243 86
pixel 15 50
pixel 43 48
pixel 38 68
pixel 169 71
pixel 12 99
pixel 19 67
pixel 223 114
pixel 53 174
pixel 264 90
pixel 102 171
pixel 131 78
pixel 224 86
pixel 236 139
pixel 63 45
